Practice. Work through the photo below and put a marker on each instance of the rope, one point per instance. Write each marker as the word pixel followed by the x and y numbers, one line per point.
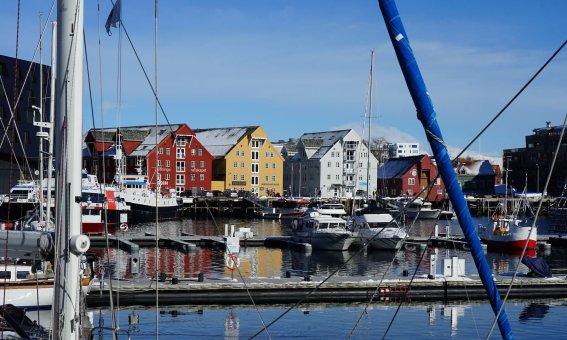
pixel 264 327
pixel 531 229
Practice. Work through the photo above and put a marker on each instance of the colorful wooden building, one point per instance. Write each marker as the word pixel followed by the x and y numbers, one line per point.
pixel 408 176
pixel 182 162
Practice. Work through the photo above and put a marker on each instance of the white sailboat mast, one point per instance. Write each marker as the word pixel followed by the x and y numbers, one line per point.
pixel 369 119
pixel 51 119
pixel 68 123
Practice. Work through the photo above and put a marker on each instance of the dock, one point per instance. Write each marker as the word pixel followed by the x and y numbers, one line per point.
pixel 227 291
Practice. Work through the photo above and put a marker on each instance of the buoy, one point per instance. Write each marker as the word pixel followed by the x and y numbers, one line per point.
pixel 232 261
pixel 123 227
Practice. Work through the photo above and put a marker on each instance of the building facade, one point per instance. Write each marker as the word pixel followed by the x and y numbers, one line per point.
pixel 244 160
pixel 331 164
pixel 19 151
pixel 404 150
pixel 476 177
pixel 408 176
pixel 171 156
pixel 532 163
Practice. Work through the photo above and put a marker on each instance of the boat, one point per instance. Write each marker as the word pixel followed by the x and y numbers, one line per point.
pixel 24 287
pixel 146 204
pixel 323 232
pixel 331 209
pixel 23 198
pixel 27 285
pixel 102 207
pixel 285 208
pixel 508 231
pixel 416 209
pixel 143 201
pixel 376 228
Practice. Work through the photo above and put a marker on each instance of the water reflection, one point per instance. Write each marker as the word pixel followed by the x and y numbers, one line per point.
pixel 534 311
pixel 270 262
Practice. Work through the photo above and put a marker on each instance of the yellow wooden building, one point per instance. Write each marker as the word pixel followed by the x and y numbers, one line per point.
pixel 244 159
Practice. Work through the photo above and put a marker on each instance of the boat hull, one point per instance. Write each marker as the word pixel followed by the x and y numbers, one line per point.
pixel 29 294
pixel 140 213
pixel 327 241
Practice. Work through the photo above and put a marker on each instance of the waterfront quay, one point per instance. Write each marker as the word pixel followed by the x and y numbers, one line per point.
pixel 230 291
pixel 249 206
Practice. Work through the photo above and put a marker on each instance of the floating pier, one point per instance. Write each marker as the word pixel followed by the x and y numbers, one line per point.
pixel 226 291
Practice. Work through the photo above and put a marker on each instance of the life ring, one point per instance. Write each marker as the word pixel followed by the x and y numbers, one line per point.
pixel 123 227
pixel 232 261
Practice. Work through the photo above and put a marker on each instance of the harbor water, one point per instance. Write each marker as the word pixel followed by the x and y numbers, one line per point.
pixel 317 321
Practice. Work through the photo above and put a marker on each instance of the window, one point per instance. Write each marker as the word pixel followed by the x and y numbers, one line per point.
pixel 328 164
pixel 167 162
pixel 160 151
pixel 255 167
pixel 267 154
pixel 200 152
pixel 241 177
pixel 267 178
pixel 242 165
pixel 180 166
pixel 267 165
pixel 181 141
pixel 338 164
pixel 255 155
pixel 333 154
pixel 179 179
pixel 179 190
pixel 192 177
pixel 328 176
pixel 439 192
pixel 255 143
pixel 235 177
pixel 271 154
pixel 237 152
pixel 168 151
pixel 273 165
pixel 254 180
pixel 438 181
pixel 202 164
pixel 167 176
pixel 193 152
pixel 159 162
pixel 337 177
pixel 235 164
pixel 180 152
pixel 411 181
pixel 273 178
pixel 202 177
pixel 192 164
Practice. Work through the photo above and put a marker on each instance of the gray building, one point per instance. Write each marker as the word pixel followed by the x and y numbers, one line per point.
pixel 331 164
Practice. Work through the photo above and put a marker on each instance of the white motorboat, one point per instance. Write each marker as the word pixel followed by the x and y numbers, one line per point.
pixel 323 231
pixel 377 229
pixel 332 209
pixel 417 208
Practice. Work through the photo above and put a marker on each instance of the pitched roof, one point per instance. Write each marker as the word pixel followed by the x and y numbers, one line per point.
pixel 397 167
pixel 322 141
pixel 146 134
pixel 475 167
pixel 219 141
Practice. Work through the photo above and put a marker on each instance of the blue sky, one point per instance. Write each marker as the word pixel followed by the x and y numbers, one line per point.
pixel 302 66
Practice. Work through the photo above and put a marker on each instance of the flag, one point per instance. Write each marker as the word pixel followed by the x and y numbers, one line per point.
pixel 113 17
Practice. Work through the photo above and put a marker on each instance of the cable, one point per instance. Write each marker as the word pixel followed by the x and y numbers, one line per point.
pixel 531 229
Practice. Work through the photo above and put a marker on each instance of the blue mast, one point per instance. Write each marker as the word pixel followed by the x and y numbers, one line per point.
pixel 426 114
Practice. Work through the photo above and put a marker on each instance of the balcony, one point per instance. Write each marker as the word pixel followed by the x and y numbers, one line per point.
pixel 349 183
pixel 348 171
